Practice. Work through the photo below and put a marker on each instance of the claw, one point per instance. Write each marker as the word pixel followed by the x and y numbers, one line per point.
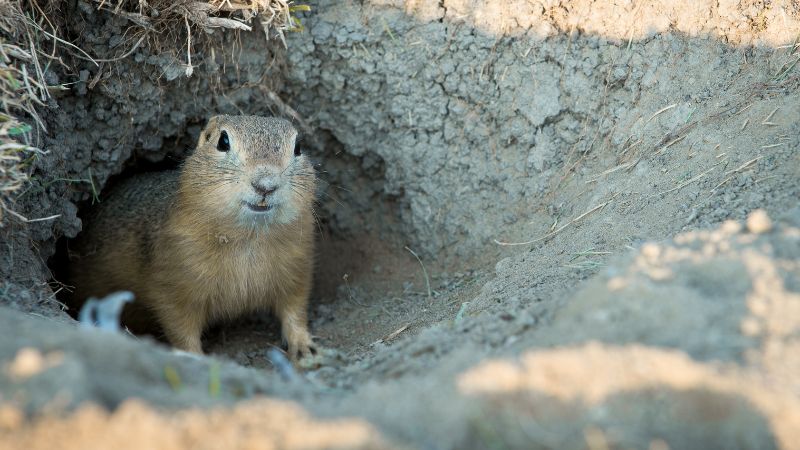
pixel 303 351
pixel 301 348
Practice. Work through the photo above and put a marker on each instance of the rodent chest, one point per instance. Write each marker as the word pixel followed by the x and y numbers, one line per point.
pixel 242 271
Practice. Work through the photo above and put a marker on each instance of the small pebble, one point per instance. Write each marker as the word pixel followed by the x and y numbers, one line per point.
pixel 758 222
pixel 651 251
pixel 616 284
pixel 28 362
pixel 750 327
pixel 731 227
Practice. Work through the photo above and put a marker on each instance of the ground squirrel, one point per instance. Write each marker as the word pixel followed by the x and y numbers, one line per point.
pixel 230 232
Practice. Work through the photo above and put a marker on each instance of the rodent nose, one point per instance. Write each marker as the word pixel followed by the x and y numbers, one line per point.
pixel 264 186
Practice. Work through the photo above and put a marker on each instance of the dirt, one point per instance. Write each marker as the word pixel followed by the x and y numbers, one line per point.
pixel 534 233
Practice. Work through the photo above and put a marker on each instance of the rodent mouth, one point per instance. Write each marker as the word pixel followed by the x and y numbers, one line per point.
pixel 258 207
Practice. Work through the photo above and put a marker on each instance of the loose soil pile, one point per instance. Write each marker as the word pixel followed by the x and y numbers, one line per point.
pixel 604 201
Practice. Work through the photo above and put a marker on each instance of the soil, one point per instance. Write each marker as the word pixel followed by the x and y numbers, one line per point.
pixel 543 225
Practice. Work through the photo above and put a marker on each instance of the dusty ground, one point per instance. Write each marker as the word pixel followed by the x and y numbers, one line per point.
pixel 576 188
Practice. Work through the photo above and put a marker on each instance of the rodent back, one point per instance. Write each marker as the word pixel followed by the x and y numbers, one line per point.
pixel 138 204
pixel 120 233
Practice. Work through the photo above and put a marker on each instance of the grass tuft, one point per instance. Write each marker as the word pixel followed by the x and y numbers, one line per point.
pixel 21 91
pixel 276 16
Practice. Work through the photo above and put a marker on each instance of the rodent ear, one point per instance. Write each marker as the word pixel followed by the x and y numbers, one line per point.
pixel 208 131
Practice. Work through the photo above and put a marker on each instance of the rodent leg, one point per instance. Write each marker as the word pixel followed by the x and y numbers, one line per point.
pixel 183 329
pixel 294 325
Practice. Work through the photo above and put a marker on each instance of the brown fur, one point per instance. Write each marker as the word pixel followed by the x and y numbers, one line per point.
pixel 191 251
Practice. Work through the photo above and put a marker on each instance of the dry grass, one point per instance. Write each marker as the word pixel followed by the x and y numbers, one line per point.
pixel 21 91
pixel 275 16
pixel 178 26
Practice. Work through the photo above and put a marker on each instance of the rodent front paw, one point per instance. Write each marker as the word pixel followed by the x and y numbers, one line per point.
pixel 318 356
pixel 302 347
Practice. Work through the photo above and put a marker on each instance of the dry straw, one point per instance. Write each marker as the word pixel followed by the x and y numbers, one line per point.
pixel 158 15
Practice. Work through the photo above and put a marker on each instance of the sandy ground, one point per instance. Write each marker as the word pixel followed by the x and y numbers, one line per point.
pixel 608 217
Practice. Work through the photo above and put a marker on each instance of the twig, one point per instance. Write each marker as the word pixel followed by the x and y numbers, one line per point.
pixel 765 178
pixel 57 39
pixel 424 271
pixel 346 278
pixel 26 220
pixel 126 54
pixel 189 68
pixel 734 171
pixel 393 334
pixel 669 144
pixel 766 119
pixel 42 219
pixel 608 172
pixel 388 30
pixel 397 332
pixel 39 74
pixel 553 233
pixel 626 149
pixel 461 311
pixel 745 165
pixel 782 73
pixel 661 111
pixel 721 183
pixel 688 182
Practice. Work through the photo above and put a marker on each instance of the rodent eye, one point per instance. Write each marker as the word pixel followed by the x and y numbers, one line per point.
pixel 296 150
pixel 224 143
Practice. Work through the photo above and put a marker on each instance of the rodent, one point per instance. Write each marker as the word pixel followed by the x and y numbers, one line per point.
pixel 229 232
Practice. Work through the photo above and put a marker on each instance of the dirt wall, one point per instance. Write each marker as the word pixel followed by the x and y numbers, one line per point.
pixel 480 111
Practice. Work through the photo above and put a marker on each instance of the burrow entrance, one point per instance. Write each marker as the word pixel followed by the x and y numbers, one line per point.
pixel 367 279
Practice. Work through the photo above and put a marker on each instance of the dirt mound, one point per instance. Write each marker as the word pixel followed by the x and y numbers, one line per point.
pixel 537 230
pixel 722 374
pixel 696 348
pixel 257 425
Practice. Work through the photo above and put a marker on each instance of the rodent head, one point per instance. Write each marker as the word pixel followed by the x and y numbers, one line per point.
pixel 247 168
